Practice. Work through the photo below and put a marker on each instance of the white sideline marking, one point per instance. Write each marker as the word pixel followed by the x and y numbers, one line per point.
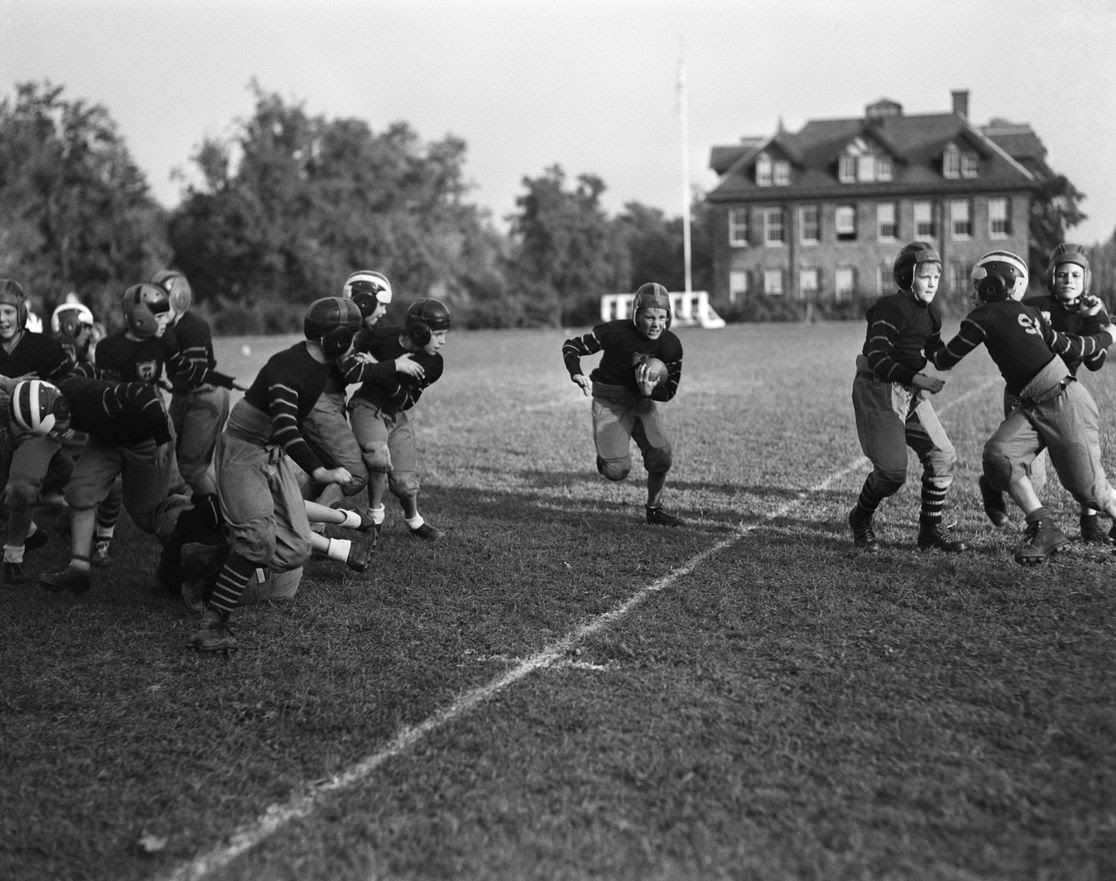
pixel 275 817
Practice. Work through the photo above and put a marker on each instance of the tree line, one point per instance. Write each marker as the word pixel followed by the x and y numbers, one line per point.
pixel 282 209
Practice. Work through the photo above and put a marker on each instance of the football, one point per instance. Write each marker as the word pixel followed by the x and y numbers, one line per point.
pixel 656 370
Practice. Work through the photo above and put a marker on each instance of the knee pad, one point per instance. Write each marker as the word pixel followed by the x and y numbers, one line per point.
pixel 376 456
pixel 614 469
pixel 403 484
pixel 658 460
pixel 21 493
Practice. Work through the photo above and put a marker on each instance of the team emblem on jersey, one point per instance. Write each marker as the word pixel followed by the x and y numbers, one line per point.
pixel 147 370
pixel 1030 325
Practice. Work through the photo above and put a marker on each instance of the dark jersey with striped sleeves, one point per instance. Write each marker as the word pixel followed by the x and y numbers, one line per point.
pixel 1019 340
pixel 127 359
pixel 37 355
pixel 623 347
pixel 902 333
pixel 1069 318
pixel 286 389
pixel 120 413
pixel 392 391
pixel 195 353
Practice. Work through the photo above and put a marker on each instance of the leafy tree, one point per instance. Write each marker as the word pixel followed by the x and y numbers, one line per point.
pixel 565 251
pixel 76 213
pixel 1054 209
pixel 294 202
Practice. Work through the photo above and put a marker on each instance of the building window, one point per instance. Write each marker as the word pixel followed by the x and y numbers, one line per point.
pixel 763 170
pixel 845 222
pixel 809 283
pixel 773 282
pixel 844 282
pixel 999 222
pixel 886 279
pixel 961 219
pixel 738 285
pixel 887 226
pixel 809 221
pixel 773 232
pixel 846 168
pixel 970 165
pixel 959 278
pixel 866 167
pixel 781 173
pixel 738 227
pixel 884 168
pixel 924 221
pixel 951 162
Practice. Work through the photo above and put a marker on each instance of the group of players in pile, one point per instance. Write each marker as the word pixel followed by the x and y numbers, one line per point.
pixel 231 494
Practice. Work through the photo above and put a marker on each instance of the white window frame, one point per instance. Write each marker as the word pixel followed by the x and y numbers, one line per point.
pixel 887 221
pixel 999 218
pixel 960 221
pixel 738 285
pixel 885 168
pixel 951 162
pixel 885 279
pixel 803 225
pixel 774 220
pixel 846 168
pixel 846 232
pixel 780 175
pixel 844 282
pixel 924 220
pixel 738 227
pixel 970 164
pixel 773 282
pixel 809 273
pixel 959 278
pixel 763 170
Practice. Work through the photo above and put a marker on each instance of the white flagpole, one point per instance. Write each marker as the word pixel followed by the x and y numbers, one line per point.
pixel 682 112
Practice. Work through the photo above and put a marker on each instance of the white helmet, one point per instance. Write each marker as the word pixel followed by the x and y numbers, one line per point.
pixel 66 318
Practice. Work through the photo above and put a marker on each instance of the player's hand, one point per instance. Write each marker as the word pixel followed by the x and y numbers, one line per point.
pixel 643 380
pixel 1091 305
pixel 925 383
pixel 332 475
pixel 586 384
pixel 407 364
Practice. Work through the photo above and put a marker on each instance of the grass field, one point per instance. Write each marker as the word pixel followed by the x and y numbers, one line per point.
pixel 557 691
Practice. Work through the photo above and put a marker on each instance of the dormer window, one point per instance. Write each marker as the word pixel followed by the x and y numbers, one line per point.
pixel 772 171
pixel 861 163
pixel 763 170
pixel 960 163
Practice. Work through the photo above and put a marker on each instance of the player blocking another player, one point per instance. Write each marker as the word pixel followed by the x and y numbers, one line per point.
pixel 625 396
pixel 257 481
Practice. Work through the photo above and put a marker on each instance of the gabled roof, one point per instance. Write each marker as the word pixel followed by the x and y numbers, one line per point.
pixel 915 143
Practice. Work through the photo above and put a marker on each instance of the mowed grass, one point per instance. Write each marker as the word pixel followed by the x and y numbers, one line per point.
pixel 772 706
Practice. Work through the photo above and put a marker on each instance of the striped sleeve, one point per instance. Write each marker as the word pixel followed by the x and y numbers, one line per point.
pixel 574 349
pixel 285 430
pixel 969 336
pixel 1072 347
pixel 128 399
pixel 880 345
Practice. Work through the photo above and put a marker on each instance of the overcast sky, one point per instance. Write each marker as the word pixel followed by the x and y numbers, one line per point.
pixel 589 85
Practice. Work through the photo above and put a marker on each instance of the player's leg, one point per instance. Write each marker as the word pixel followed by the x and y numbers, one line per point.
pixel 928 439
pixel 881 413
pixel 30 463
pixel 649 433
pixel 403 479
pixel 372 429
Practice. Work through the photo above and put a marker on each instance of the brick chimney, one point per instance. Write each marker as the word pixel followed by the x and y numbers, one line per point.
pixel 961 102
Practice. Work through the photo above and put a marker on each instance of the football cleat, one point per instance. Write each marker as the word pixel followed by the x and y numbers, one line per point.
pixel 1041 539
pixel 36 540
pixel 427 532
pixel 214 634
pixel 366 522
pixel 73 580
pixel 360 551
pixel 993 501
pixel 864 539
pixel 101 553
pixel 933 536
pixel 658 517
pixel 1092 533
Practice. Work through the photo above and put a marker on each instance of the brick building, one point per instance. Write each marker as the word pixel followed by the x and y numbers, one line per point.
pixel 820 213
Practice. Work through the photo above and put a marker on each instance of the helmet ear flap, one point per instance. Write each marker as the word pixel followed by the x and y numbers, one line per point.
pixel 336 342
pixel 419 333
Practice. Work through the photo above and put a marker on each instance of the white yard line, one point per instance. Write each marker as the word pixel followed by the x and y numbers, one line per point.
pixel 276 817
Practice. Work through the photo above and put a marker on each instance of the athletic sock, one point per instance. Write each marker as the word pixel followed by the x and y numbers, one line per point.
pixel 338 549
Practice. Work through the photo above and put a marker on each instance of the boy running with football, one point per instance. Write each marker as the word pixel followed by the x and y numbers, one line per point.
pixel 626 393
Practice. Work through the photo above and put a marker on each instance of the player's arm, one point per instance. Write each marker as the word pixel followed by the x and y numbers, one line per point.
pixel 969 336
pixel 576 348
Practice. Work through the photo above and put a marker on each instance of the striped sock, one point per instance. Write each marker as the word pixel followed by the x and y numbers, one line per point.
pixel 232 581
pixel 933 500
